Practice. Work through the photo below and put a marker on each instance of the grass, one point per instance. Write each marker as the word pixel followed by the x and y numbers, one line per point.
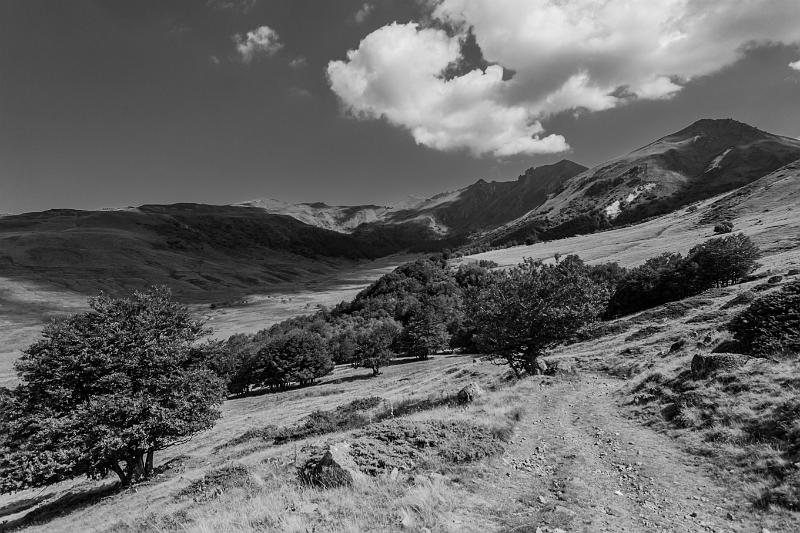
pixel 263 493
pixel 748 418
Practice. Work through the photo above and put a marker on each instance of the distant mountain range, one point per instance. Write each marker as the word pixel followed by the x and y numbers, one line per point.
pixel 202 250
pixel 705 159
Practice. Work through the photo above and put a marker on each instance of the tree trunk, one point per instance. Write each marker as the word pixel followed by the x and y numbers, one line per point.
pixel 533 365
pixel 124 480
pixel 148 464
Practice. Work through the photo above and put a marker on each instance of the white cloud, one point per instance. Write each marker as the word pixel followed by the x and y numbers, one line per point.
pixel 262 40
pixel 566 55
pixel 363 12
pixel 394 74
pixel 238 6
pixel 795 65
pixel 298 62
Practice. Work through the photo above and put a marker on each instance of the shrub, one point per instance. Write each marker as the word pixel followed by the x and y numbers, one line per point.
pixel 534 307
pixel 771 325
pixel 103 390
pixel 723 227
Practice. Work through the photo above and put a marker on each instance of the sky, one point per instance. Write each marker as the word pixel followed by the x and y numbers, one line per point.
pixel 109 103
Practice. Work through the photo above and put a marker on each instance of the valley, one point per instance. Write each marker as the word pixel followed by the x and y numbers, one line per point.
pixel 622 435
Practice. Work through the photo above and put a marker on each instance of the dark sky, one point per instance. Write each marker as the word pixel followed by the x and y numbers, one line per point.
pixel 122 102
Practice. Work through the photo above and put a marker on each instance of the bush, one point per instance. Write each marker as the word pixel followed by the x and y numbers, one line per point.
pixel 770 326
pixel 103 390
pixel 534 307
pixel 723 227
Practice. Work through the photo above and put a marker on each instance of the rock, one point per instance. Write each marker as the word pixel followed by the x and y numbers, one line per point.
pixel 729 346
pixel 336 468
pixel 540 367
pixel 774 279
pixel 470 393
pixel 705 364
pixel 564 511
pixel 793 272
pixel 677 346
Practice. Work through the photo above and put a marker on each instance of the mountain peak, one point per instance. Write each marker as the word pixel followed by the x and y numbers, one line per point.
pixel 719 126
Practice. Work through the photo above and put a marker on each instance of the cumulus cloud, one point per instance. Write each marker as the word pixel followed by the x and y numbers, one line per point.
pixel 395 74
pixel 795 65
pixel 363 12
pixel 565 55
pixel 263 40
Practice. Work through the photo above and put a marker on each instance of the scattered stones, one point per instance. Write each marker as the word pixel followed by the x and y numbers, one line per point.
pixel 470 393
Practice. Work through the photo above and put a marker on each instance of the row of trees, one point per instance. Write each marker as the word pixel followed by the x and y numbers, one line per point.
pixel 425 306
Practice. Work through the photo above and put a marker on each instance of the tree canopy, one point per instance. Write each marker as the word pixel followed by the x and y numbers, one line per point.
pixel 534 307
pixel 103 390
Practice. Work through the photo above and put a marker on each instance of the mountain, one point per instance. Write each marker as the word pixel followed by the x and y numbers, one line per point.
pixel 478 207
pixel 707 158
pixel 201 251
pixel 207 251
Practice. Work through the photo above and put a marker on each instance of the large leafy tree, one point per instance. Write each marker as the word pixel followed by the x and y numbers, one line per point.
pixel 298 356
pixel 374 344
pixel 721 261
pixel 103 390
pixel 532 308
pixel 427 332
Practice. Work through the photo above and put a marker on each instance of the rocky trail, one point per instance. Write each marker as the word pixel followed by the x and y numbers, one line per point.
pixel 577 463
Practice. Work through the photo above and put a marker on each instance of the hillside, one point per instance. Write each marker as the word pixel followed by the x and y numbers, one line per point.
pixel 705 159
pixel 203 252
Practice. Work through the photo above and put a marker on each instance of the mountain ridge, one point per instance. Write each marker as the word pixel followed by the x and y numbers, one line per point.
pixel 200 249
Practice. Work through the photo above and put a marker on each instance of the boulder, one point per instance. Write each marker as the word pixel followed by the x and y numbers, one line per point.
pixel 775 279
pixel 336 468
pixel 470 393
pixel 705 364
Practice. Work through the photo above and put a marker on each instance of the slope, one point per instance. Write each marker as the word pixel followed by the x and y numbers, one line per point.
pixel 707 158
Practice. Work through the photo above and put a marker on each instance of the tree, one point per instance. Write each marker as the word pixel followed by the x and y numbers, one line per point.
pixel 298 356
pixel 770 326
pixel 426 333
pixel 374 344
pixel 722 261
pixel 534 307
pixel 103 390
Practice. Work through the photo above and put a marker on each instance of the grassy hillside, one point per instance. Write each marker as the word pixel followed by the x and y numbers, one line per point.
pixel 703 160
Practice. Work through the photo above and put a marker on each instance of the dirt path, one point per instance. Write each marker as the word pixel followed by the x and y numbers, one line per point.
pixel 577 464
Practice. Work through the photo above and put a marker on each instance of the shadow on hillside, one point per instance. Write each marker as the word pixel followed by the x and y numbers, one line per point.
pixel 63 505
pixel 355 377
